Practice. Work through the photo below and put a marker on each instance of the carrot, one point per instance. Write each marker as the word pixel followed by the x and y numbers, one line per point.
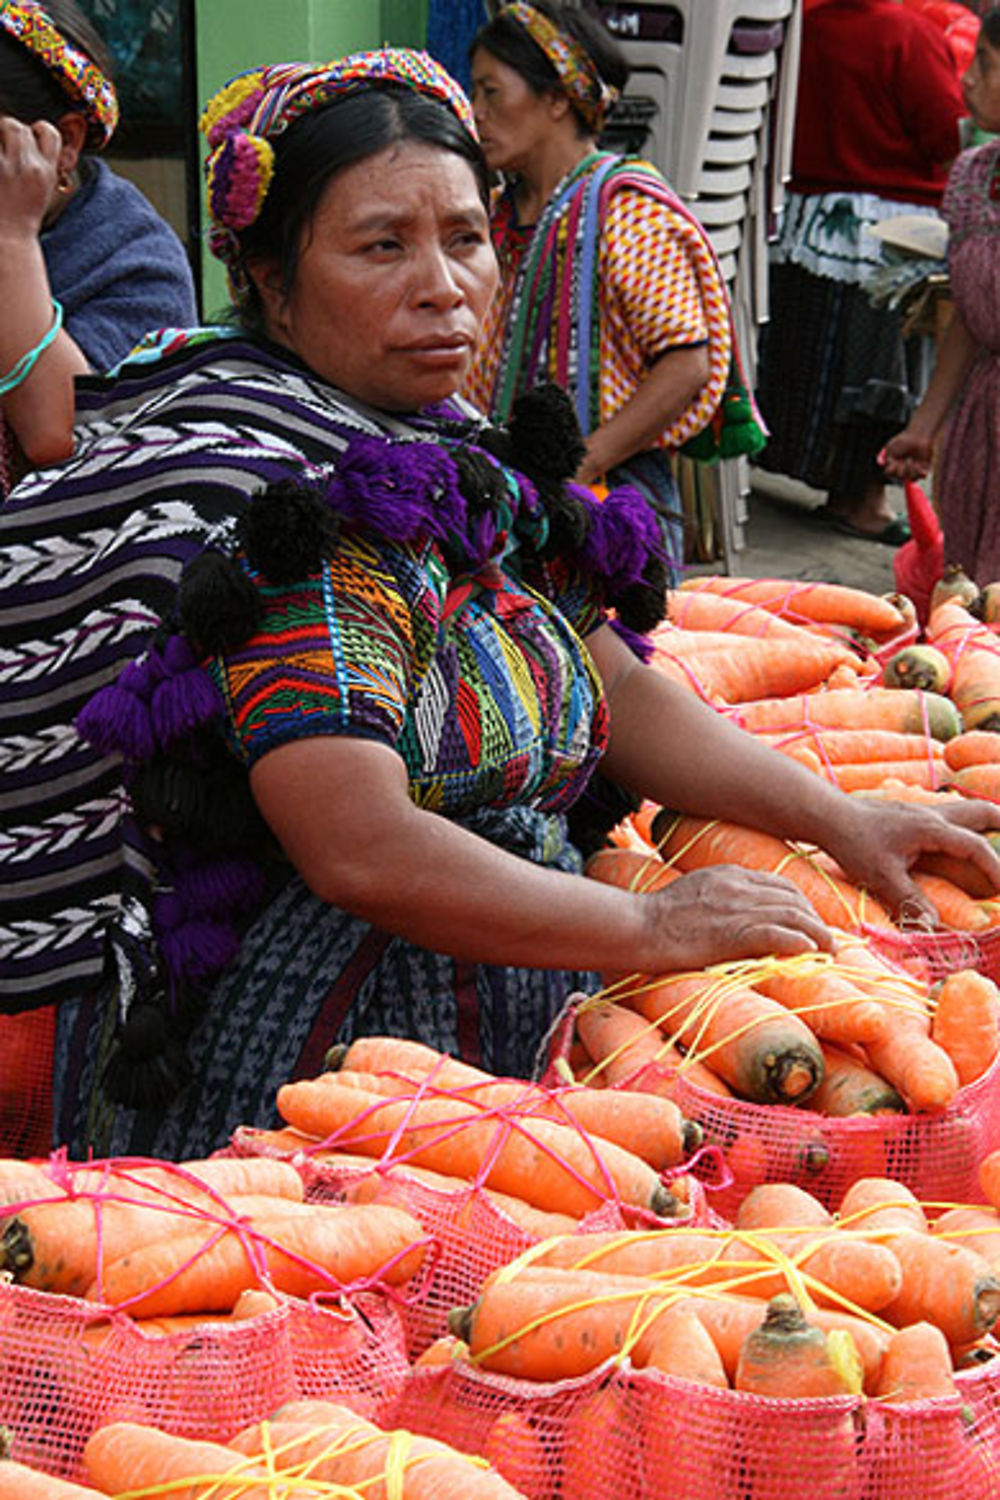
pixel 697 843
pixel 18 1482
pixel 625 1049
pixel 747 669
pixel 680 1344
pixel 54 1246
pixel 989 1178
pixel 954 908
pixel 730 1319
pixel 760 1049
pixel 827 603
pixel 630 870
pixel 914 1064
pixel 961 872
pixel 881 1203
pixel 973 747
pixel 973 651
pixel 966 1022
pixel 376 1187
pixel 976 1228
pixel 977 781
pixel 786 1357
pixel 832 1007
pixel 393 1054
pixel 23 1182
pixel 868 775
pixel 917 1365
pixel 850 1088
pixel 331 1246
pixel 943 1283
pixel 445 1350
pixel 284 1141
pixel 547 1163
pixel 333 1445
pixel 906 710
pixel 837 747
pixel 652 1128
pixel 774 1205
pixel 701 610
pixel 124 1457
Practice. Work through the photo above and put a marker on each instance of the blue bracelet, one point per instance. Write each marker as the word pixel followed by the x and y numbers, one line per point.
pixel 26 363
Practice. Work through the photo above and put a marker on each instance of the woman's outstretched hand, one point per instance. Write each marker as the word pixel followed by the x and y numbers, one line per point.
pixel 880 843
pixel 725 913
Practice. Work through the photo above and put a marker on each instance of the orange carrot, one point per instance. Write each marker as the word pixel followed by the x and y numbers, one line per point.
pixel 943 1283
pixel 832 1007
pixel 976 1228
pixel 125 1456
pixel 788 1358
pixel 393 1054
pixel 966 1022
pixel 914 1064
pixel 881 1203
pixel 836 747
pixel 391 1186
pixel 701 610
pixel 760 1049
pixel 954 908
pixel 543 1161
pixel 989 1178
pixel 827 603
pixel 974 747
pixel 331 1246
pixel 745 669
pixel 730 1319
pixel 974 653
pixel 868 775
pixel 851 1088
pixel 625 1049
pixel 917 1365
pixel 697 843
pixel 977 781
pixel 679 1344
pixel 630 870
pixel 905 710
pixel 781 1205
pixel 18 1482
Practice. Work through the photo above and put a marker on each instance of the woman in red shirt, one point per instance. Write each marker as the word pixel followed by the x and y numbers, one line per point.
pixel 879 106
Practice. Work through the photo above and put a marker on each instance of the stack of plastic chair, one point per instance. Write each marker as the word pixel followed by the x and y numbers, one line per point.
pixel 711 101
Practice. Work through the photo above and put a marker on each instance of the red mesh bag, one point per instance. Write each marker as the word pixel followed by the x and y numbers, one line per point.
pixel 472 1235
pixel 65 1370
pixel 26 1047
pixel 622 1434
pixel 936 1156
pixel 935 955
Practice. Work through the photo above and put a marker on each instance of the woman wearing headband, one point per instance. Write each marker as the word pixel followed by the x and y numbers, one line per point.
pixel 356 664
pixel 87 267
pixel 609 286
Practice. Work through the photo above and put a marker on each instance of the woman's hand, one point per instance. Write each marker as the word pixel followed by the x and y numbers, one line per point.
pixel 879 843
pixel 29 172
pixel 725 913
pixel 908 456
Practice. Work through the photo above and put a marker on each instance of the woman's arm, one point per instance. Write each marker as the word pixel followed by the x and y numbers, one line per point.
pixel 670 747
pixel 41 409
pixel 340 809
pixel 671 385
pixel 910 454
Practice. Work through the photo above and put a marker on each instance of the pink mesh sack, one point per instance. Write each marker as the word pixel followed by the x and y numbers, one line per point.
pixel 65 1370
pixel 26 1046
pixel 936 1156
pixel 623 1434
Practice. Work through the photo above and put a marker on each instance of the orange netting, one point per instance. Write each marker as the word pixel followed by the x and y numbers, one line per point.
pixel 623 1434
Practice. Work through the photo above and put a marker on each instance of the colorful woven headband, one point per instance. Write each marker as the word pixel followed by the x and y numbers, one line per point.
pixel 239 121
pixel 590 95
pixel 79 78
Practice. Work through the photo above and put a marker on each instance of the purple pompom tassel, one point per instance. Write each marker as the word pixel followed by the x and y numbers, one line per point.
pixel 184 704
pixel 195 951
pixel 219 887
pixel 117 722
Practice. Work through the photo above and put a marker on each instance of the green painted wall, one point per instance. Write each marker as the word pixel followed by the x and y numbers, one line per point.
pixel 231 35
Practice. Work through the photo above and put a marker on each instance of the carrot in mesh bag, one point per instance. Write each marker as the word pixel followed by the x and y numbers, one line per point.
pixel 550 1164
pixel 974 653
pixel 627 1051
pixel 19 1482
pixel 808 601
pixel 699 843
pixel 326 1444
pixel 130 1458
pixel 719 667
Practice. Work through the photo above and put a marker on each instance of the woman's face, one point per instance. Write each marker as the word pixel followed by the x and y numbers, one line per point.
pixel 981 86
pixel 395 274
pixel 512 120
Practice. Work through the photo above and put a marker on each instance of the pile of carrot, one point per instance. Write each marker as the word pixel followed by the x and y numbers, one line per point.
pixel 175 1244
pixel 541 1154
pixel 305 1449
pixel 792 1301
pixel 845 1035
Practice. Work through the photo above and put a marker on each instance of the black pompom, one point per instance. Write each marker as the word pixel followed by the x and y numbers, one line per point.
pixel 206 804
pixel 643 605
pixel 569 521
pixel 148 1065
pixel 545 435
pixel 481 482
pixel 602 806
pixel 217 604
pixel 287 531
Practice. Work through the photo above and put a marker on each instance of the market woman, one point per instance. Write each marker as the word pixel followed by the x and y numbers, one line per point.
pixel 608 285
pixel 384 677
pixel 87 267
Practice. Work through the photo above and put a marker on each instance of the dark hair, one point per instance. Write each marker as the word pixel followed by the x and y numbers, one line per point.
pixel 325 141
pixel 991 27
pixel 506 40
pixel 28 91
